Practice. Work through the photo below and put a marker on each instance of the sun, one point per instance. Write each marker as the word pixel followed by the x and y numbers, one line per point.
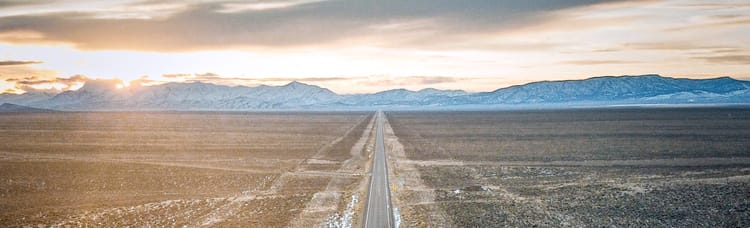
pixel 122 83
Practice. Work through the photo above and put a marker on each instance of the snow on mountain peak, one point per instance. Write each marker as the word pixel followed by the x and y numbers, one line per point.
pixel 100 85
pixel 103 95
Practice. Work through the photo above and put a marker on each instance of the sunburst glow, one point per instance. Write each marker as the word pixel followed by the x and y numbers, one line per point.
pixel 476 47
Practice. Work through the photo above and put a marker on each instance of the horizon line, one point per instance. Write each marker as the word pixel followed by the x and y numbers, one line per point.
pixel 121 84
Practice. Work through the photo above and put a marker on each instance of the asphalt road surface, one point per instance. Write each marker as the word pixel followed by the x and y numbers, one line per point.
pixel 379 211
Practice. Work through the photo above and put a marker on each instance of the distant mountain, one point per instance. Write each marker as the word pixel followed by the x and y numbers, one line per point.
pixel 8 107
pixel 623 89
pixel 607 90
pixel 95 94
pixel 26 98
pixel 403 97
pixel 103 95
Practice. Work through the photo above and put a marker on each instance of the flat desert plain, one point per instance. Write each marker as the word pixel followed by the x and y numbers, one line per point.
pixel 663 167
pixel 645 167
pixel 113 169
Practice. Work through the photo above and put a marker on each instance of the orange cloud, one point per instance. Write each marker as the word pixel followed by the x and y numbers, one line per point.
pixel 35 84
pixel 230 25
pixel 598 62
pixel 16 62
pixel 728 59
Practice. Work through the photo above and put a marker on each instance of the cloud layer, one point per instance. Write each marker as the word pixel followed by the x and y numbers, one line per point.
pixel 365 46
pixel 16 62
pixel 169 26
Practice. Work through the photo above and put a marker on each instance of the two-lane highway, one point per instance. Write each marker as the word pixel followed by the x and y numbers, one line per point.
pixel 379 212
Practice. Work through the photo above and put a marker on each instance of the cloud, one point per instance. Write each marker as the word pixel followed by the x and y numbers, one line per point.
pixel 208 25
pixel 218 79
pixel 36 84
pixel 176 76
pixel 672 46
pixel 16 62
pixel 13 91
pixel 36 81
pixel 15 3
pixel 373 80
pixel 728 59
pixel 24 70
pixel 410 80
pixel 372 83
pixel 715 5
pixel 598 62
pixel 716 22
pixel 235 7
pixel 123 9
pixel 19 77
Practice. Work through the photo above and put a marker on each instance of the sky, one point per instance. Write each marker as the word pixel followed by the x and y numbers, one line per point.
pixel 362 46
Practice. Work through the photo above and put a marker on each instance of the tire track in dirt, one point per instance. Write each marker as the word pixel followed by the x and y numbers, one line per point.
pixel 328 202
pixel 235 203
pixel 9 156
pixel 710 161
pixel 415 200
pixel 427 144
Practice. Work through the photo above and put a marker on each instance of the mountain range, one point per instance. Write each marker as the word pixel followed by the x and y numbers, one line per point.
pixel 596 91
pixel 7 107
